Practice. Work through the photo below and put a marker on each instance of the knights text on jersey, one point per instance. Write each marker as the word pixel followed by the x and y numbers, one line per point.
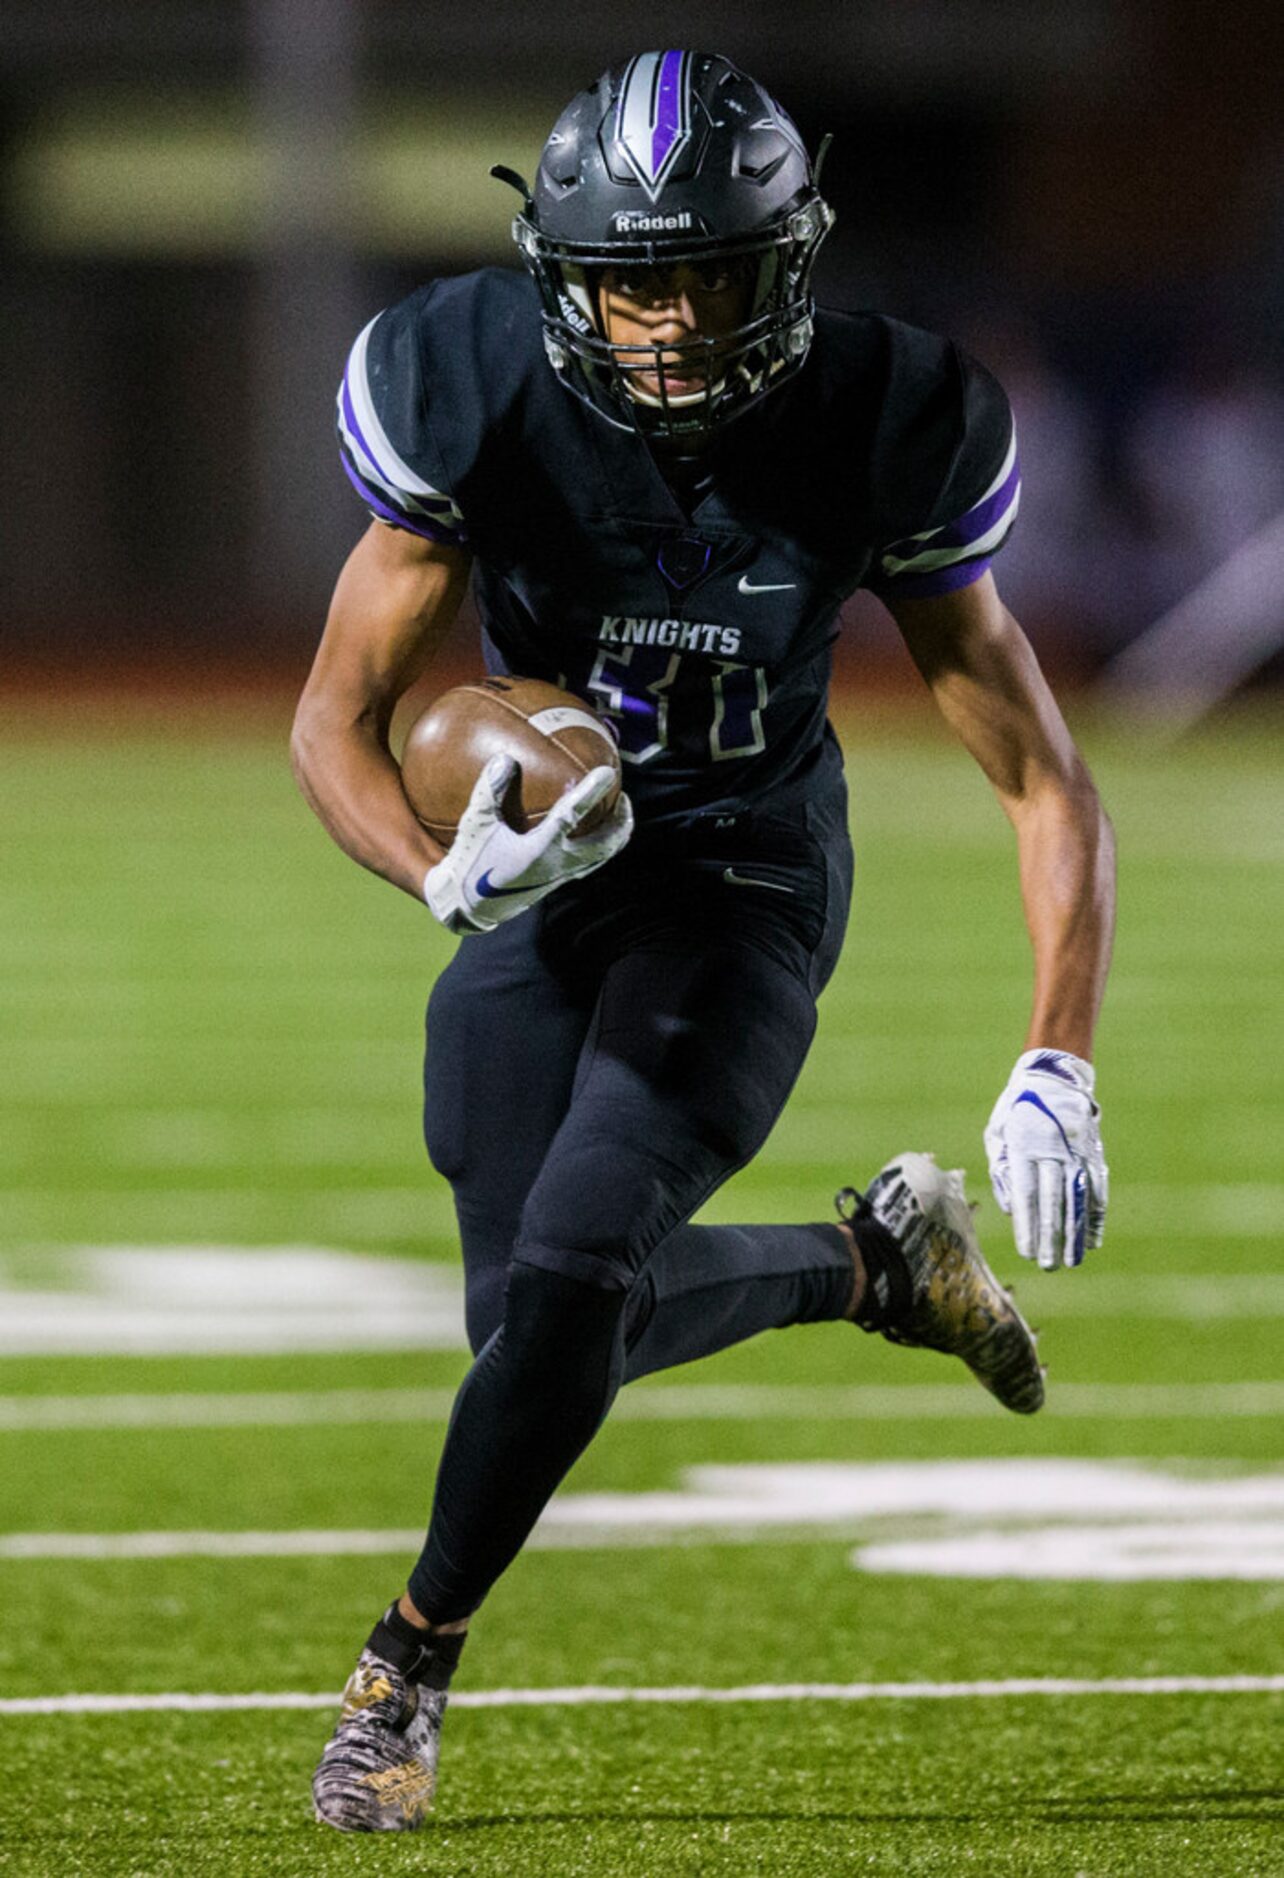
pixel 703 633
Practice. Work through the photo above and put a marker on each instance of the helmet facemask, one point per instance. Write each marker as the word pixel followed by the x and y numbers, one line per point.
pixel 730 373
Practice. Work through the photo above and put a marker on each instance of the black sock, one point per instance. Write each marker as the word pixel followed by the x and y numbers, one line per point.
pixel 889 1291
pixel 427 1657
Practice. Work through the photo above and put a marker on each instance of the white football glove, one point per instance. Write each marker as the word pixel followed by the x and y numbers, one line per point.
pixel 492 873
pixel 1046 1163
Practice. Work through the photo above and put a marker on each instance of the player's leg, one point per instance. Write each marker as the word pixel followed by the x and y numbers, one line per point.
pixel 505 1025
pixel 693 1049
pixel 506 1022
pixel 907 1261
pixel 689 1060
pixel 706 1288
pixel 504 1036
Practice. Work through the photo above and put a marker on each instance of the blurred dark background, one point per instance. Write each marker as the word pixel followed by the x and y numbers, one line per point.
pixel 201 204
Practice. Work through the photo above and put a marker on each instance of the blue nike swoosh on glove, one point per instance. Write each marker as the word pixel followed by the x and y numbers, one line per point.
pixel 1028 1095
pixel 488 892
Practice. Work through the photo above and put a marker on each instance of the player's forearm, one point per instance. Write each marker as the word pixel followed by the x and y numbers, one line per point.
pixel 987 682
pixel 394 603
pixel 350 780
pixel 1067 859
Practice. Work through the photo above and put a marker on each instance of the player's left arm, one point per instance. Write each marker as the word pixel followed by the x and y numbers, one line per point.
pixel 1045 1154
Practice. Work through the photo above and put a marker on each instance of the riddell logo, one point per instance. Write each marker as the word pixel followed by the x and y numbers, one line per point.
pixel 641 222
pixel 572 315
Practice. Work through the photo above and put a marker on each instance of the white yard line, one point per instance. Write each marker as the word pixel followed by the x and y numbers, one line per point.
pixel 599 1696
pixel 301 1542
pixel 707 1402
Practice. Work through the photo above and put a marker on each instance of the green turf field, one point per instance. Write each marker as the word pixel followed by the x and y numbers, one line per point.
pixel 211 1029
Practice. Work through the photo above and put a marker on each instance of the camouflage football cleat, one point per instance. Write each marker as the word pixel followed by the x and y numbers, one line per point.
pixel 956 1304
pixel 379 1768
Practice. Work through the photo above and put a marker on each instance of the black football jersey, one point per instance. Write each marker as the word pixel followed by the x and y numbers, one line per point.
pixel 700 626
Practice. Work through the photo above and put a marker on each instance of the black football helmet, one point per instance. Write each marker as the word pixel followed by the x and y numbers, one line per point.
pixel 674 157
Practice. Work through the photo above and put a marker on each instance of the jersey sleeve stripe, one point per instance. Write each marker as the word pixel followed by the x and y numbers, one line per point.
pixel 417 525
pixel 982 529
pixel 990 510
pixel 350 431
pixel 368 439
pixel 943 580
pixel 1006 468
pixel 438 510
pixel 926 560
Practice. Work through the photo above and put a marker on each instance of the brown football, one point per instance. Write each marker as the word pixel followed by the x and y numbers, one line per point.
pixel 553 735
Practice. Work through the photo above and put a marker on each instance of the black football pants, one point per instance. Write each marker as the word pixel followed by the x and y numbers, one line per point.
pixel 595 1069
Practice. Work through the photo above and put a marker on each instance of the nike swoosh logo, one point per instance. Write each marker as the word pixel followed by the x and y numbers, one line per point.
pixel 488 892
pixel 733 879
pixel 1036 1102
pixel 745 585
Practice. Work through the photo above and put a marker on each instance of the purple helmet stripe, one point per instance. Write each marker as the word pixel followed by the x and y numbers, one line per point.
pixel 653 116
pixel 667 110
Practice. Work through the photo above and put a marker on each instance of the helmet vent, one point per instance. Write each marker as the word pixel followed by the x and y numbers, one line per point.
pixel 760 172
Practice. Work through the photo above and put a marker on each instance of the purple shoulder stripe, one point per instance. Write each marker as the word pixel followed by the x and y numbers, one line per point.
pixel 379 506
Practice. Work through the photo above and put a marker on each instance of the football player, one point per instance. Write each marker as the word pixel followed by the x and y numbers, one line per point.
pixel 664 470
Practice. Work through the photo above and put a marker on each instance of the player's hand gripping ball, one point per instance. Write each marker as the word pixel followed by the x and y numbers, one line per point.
pixel 521 783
